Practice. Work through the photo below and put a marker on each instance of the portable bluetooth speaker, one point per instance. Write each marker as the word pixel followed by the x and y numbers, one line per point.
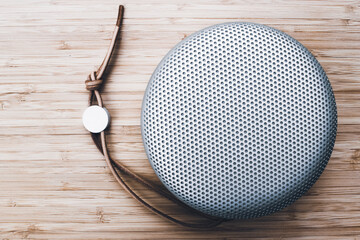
pixel 238 121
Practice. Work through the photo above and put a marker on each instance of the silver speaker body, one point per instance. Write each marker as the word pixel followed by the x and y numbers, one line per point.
pixel 239 120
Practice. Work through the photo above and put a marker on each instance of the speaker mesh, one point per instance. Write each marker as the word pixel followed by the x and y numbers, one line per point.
pixel 239 120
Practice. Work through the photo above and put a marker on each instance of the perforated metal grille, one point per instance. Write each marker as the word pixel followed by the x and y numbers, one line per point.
pixel 239 120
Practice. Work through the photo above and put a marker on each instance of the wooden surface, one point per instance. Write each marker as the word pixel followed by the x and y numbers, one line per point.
pixel 53 182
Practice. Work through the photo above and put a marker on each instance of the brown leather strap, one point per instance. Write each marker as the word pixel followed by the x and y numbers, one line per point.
pixel 94 84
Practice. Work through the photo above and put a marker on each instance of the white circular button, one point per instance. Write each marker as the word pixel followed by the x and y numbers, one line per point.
pixel 96 119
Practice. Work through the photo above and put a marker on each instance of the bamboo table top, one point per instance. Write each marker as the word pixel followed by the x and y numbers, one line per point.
pixel 54 184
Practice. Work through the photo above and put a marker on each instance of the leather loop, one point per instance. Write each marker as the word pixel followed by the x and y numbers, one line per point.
pixel 93 84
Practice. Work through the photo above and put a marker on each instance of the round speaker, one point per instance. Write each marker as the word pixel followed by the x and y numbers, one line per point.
pixel 239 120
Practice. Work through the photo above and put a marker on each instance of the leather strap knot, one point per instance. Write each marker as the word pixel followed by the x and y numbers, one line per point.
pixel 93 85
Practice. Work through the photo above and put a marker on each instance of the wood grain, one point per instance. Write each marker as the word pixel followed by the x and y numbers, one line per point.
pixel 53 182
